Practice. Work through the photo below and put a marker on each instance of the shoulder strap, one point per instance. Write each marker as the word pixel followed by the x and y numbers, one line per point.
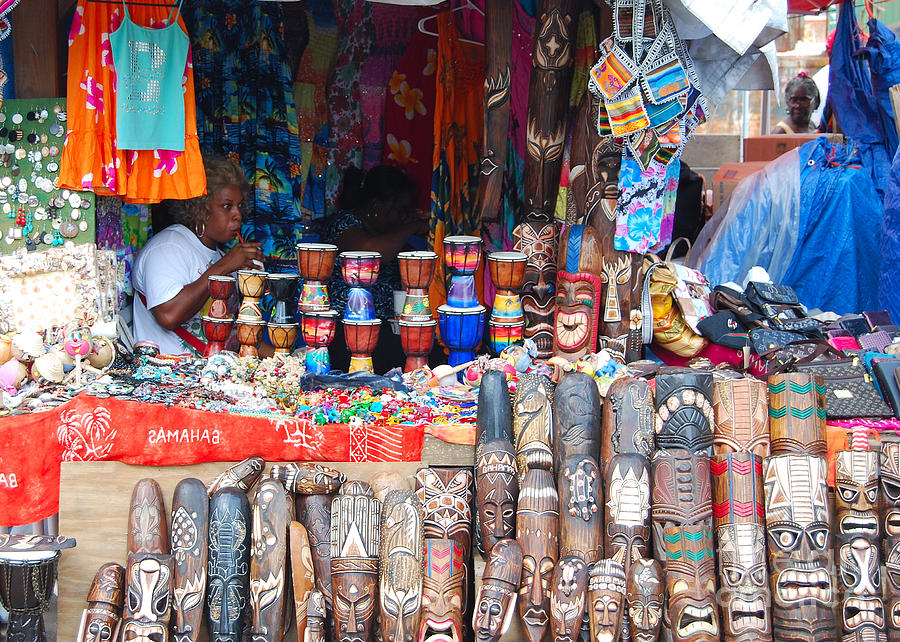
pixel 182 334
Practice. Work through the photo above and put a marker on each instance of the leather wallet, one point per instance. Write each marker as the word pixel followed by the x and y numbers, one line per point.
pixel 878 317
pixel 855 324
pixel 844 342
pixel 876 341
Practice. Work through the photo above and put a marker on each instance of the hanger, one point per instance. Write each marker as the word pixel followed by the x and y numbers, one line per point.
pixel 468 5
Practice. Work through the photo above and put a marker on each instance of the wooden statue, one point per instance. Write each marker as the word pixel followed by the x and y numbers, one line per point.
pixel 533 423
pixel 494 419
pixel 147 526
pixel 302 574
pixel 577 409
pixel 578 285
pixel 443 592
pixel 497 492
pixel 272 513
pixel 537 530
pixel 799 542
pixel 315 515
pixel 190 548
pixel 741 409
pixel 400 594
pixel 242 475
pixel 355 534
pixel 744 579
pixel 315 618
pixel 856 493
pixel 228 592
pixel 890 489
pixel 797 414
pixel 644 597
pixel 892 587
pixel 581 509
pixel 606 597
pixel 496 600
pixel 539 241
pixel 681 493
pixel 627 530
pixel 859 579
pixel 628 420
pixel 148 597
pixel 568 593
pixel 101 620
pixel 737 489
pixel 684 413
pixel 691 614
pixel 308 478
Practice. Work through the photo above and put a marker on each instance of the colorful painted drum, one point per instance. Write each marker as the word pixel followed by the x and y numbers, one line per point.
pixel 360 268
pixel 503 335
pixel 462 254
pixel 315 261
pixel 416 269
pixel 248 333
pixel 360 305
pixel 313 297
pixel 283 288
pixel 462 292
pixel 417 338
pixel 318 328
pixel 416 307
pixel 216 332
pixel 252 285
pixel 461 331
pixel 361 338
pixel 221 289
pixel 283 336
pixel 507 269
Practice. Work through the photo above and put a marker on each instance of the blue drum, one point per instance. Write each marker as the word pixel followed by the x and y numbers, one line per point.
pixel 461 331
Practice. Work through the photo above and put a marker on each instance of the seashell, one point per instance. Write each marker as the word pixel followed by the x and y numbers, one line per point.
pixel 63 356
pixel 102 354
pixel 47 368
pixel 12 374
pixel 27 346
pixel 5 348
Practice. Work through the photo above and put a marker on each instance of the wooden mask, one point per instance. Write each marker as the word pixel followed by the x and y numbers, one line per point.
pixel 443 592
pixel 692 613
pixel 302 574
pixel 101 620
pixel 241 475
pixel 581 509
pixel 384 482
pixel 577 409
pixel 400 586
pixel 568 593
pixel 681 493
pixel 315 619
pixel 627 509
pixel 537 530
pixel 684 414
pixel 446 495
pixel 355 534
pixel 539 240
pixel 494 419
pixel 575 325
pixel 497 493
pixel 892 586
pixel 645 593
pixel 606 599
pixel 315 515
pixel 859 571
pixel 856 492
pixel 737 489
pixel 190 548
pixel 496 600
pixel 533 423
pixel 890 489
pixel 797 414
pixel 147 529
pixel 628 420
pixel 799 543
pixel 744 580
pixel 308 478
pixel 148 598
pixel 741 408
pixel 229 564
pixel 272 512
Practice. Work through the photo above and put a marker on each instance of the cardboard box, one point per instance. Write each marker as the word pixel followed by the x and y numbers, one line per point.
pixel 727 178
pixel 766 148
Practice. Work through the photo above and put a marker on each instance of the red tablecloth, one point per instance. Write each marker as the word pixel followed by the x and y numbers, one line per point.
pixel 92 429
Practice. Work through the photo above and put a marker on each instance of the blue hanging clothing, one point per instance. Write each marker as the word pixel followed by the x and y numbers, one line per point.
pixel 149 65
pixel 883 53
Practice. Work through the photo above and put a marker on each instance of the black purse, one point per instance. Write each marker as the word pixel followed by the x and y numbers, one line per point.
pixel 782 309
pixel 850 389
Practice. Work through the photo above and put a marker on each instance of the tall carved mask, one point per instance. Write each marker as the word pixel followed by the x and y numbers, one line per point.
pixel 644 598
pixel 578 286
pixel 400 593
pixel 314 512
pixel 228 568
pixel 101 620
pixel 577 411
pixel 272 510
pixel 581 509
pixel 681 493
pixel 533 423
pixel 856 492
pixel 495 604
pixel 628 420
pixel 797 414
pixel 744 579
pixel 494 419
pixel 737 483
pixel 308 478
pixel 242 475
pixel 568 594
pixel 741 408
pixel 446 495
pixel 148 598
pixel 147 525
pixel 190 548
pixel 355 537
pixel 538 240
pixel 606 597
pixel 691 583
pixel 497 484
pixel 862 606
pixel 890 489
pixel 627 509
pixel 892 584
pixel 443 592
pixel 684 413
pixel 799 544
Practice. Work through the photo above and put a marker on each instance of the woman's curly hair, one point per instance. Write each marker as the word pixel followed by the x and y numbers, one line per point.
pixel 220 173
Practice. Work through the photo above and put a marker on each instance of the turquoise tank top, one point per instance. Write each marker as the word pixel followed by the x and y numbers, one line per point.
pixel 149 96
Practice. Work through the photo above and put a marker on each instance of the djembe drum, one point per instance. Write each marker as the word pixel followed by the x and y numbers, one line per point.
pixel 216 331
pixel 221 289
pixel 462 256
pixel 283 336
pixel 461 331
pixel 416 273
pixel 315 262
pixel 360 271
pixel 361 338
pixel 26 584
pixel 283 288
pixel 507 322
pixel 417 339
pixel 252 285
pixel 248 334
pixel 318 331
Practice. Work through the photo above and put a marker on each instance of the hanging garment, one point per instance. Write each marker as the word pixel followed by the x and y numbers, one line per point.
pixel 149 97
pixel 92 159
pixel 883 53
pixel 246 111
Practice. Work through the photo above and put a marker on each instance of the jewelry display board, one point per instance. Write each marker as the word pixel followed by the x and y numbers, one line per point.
pixel 34 213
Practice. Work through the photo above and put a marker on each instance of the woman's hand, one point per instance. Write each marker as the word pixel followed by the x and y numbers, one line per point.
pixel 240 257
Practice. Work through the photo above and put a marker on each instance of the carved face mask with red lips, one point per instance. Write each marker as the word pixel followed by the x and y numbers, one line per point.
pixel 538 241
pixel 578 286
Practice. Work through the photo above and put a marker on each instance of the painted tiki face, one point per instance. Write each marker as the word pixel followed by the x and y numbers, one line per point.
pixel 148 598
pixel 443 592
pixel 308 478
pixel 102 618
pixel 862 606
pixel 228 567
pixel 627 509
pixel 856 492
pixel 497 493
pixel 797 414
pixel 538 240
pixel 681 492
pixel 401 564
pixel 628 420
pixel 568 592
pixel 241 475
pixel 892 582
pixel 644 599
pixel 581 509
pixel 691 583
pixel 533 423
pixel 537 531
pixel 577 293
pixel 496 601
pixel 446 495
pixel 577 411
pixel 742 417
pixel 890 489
pixel 606 594
pixel 147 530
pixel 190 547
pixel 272 510
pixel 684 414
pixel 737 489
pixel 744 580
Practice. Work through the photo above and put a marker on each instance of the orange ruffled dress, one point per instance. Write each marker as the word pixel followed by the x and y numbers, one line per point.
pixel 90 159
